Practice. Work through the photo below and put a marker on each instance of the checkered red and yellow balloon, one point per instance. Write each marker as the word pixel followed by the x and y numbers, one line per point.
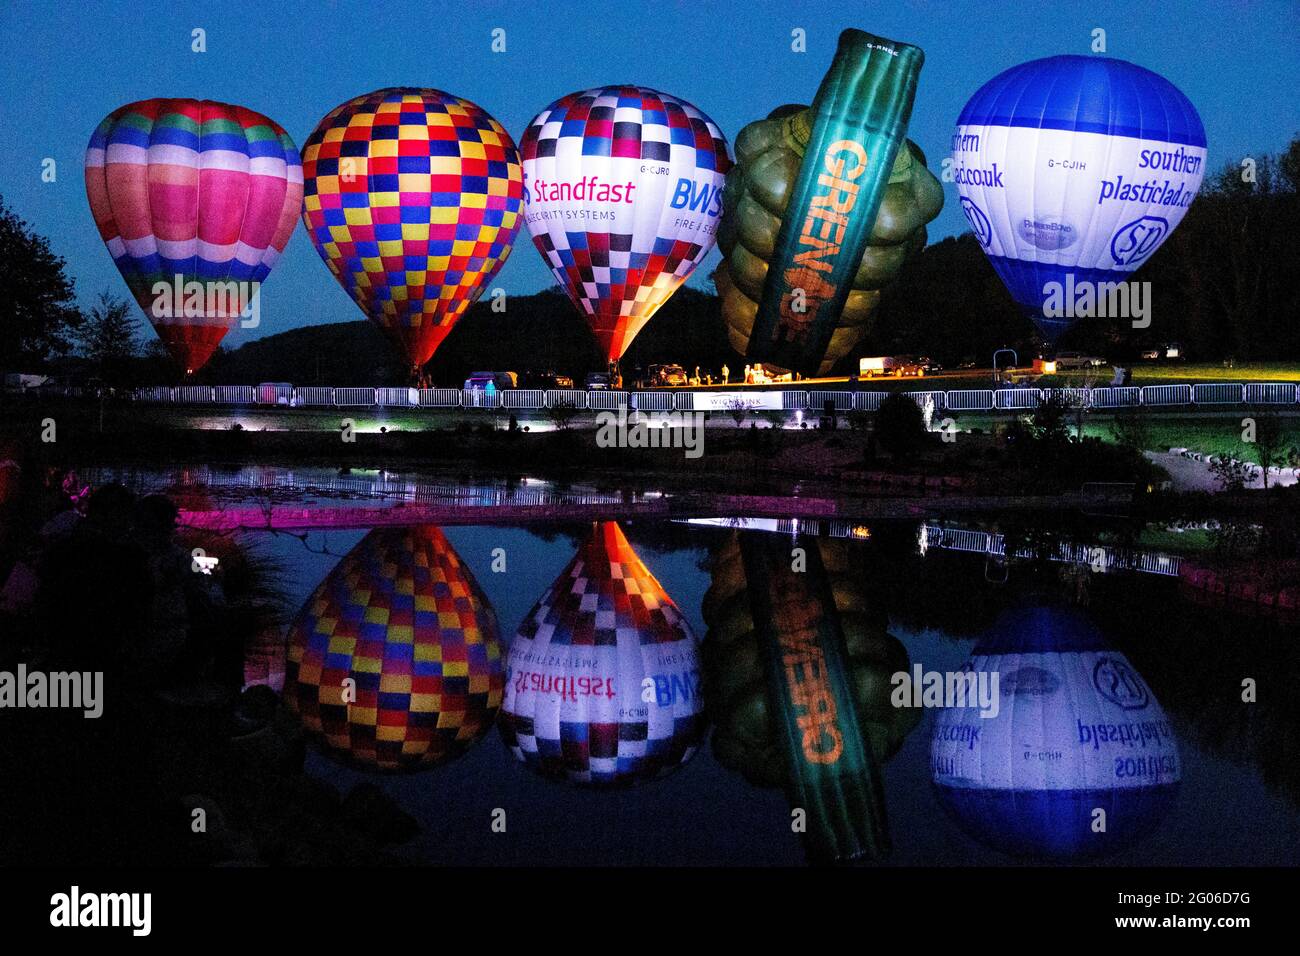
pixel 412 197
pixel 402 618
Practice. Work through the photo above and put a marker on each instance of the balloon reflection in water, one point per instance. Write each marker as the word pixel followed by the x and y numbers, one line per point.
pixel 798 665
pixel 403 618
pixel 603 676
pixel 1077 732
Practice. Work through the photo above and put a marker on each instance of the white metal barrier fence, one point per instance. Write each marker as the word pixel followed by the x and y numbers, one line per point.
pixel 315 395
pixel 969 400
pixel 398 397
pixel 606 401
pixel 1074 397
pixel 1218 393
pixel 956 400
pixel 653 401
pixel 1105 557
pixel 1271 393
pixel 277 394
pixel 531 398
pixel 1166 394
pixel 195 394
pixel 940 399
pixel 566 396
pixel 439 398
pixel 1017 398
pixel 841 401
pixel 868 401
pixel 233 394
pixel 349 397
pixel 1116 396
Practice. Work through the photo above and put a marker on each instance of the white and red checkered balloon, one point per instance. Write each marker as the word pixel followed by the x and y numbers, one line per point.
pixel 622 196
pixel 603 682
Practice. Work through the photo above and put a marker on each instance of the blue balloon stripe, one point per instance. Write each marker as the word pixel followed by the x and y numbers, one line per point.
pixel 1162 134
pixel 1087 94
pixel 1058 823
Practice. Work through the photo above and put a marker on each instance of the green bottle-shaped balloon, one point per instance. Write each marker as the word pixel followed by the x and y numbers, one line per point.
pixel 798 668
pixel 823 207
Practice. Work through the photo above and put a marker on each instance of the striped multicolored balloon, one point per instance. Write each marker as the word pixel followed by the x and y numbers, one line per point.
pixel 603 683
pixel 203 191
pixel 404 620
pixel 413 200
pixel 624 194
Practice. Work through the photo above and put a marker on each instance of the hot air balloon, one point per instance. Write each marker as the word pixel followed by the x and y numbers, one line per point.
pixel 603 677
pixel 623 196
pixel 191 196
pixel 1076 731
pixel 1072 171
pixel 403 618
pixel 823 207
pixel 412 198
pixel 797 667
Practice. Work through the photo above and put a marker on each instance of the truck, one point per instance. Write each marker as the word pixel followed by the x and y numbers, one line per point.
pixel 896 365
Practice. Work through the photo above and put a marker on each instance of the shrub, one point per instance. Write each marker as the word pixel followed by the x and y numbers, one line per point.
pixel 562 413
pixel 1132 429
pixel 900 426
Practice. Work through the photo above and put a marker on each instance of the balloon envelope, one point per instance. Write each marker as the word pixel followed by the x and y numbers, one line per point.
pixel 1073 170
pixel 403 618
pixel 623 196
pixel 205 191
pixel 1076 730
pixel 412 199
pixel 603 676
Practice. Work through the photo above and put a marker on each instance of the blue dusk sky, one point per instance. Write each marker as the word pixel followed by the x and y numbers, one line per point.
pixel 66 65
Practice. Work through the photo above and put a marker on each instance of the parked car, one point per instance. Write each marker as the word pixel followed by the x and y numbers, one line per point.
pixel 596 381
pixel 1068 360
pixel 500 381
pixel 670 376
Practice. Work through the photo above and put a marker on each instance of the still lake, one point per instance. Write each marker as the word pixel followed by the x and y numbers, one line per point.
pixel 1224 771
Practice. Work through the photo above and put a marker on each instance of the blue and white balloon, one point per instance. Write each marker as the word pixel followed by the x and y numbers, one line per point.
pixel 1077 731
pixel 1073 170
